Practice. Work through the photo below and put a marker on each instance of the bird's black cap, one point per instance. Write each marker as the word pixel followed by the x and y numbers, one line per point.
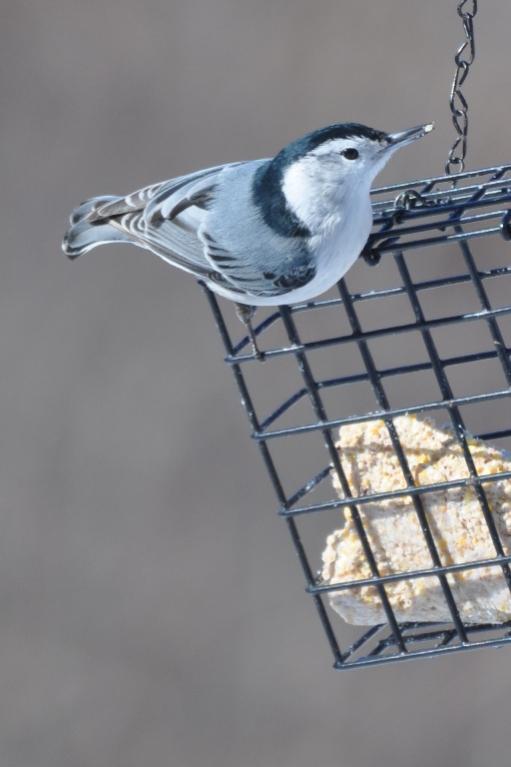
pixel 305 144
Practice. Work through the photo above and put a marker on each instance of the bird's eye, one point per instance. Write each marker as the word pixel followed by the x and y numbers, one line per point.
pixel 350 153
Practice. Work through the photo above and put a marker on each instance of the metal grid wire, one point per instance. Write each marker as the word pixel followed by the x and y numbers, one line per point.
pixel 438 211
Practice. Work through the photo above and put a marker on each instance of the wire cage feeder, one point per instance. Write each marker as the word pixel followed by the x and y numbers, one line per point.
pixel 426 336
pixel 427 333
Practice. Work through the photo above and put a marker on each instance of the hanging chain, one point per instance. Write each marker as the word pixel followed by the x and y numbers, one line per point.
pixel 464 58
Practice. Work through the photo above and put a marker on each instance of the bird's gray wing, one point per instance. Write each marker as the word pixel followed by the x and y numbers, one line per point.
pixel 254 258
pixel 176 219
pixel 165 218
pixel 175 196
pixel 170 219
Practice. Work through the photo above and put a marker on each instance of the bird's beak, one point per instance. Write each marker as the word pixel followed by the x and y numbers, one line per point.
pixel 397 140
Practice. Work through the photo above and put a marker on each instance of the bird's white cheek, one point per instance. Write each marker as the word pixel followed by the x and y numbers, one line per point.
pixel 296 189
pixel 314 196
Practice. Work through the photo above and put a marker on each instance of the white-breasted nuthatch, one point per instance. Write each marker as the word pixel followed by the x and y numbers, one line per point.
pixel 262 232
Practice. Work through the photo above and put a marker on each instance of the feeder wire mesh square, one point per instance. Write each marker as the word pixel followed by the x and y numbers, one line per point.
pixel 409 217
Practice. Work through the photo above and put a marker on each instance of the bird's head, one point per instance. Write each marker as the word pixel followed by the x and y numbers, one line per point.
pixel 312 175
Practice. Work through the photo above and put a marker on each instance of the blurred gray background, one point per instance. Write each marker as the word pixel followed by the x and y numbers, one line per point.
pixel 151 606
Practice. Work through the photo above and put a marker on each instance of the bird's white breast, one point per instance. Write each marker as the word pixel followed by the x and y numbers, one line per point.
pixel 338 248
pixel 338 215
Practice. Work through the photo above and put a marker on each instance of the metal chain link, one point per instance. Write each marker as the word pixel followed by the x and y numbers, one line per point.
pixel 464 58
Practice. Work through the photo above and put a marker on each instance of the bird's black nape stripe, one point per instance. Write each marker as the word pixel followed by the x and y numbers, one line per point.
pixel 269 198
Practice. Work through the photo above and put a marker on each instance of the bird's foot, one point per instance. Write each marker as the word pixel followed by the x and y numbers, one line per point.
pixel 245 314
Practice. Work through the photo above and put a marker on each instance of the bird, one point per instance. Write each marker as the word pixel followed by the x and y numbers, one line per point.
pixel 267 232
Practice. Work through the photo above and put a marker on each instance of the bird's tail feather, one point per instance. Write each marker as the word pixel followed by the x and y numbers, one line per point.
pixel 88 230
